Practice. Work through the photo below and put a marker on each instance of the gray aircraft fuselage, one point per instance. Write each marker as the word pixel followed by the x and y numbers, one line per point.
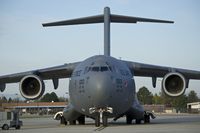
pixel 102 81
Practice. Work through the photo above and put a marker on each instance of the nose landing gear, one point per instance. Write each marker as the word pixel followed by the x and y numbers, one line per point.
pixel 101 115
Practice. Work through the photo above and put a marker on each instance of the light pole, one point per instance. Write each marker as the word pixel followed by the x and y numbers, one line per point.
pixel 67 95
pixel 17 100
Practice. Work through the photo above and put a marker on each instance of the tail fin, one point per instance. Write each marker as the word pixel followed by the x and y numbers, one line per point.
pixel 106 18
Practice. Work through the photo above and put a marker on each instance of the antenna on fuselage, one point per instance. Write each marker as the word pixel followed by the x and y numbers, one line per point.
pixel 106 18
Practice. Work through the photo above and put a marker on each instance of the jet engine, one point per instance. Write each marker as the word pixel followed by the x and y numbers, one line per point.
pixel 31 87
pixel 174 84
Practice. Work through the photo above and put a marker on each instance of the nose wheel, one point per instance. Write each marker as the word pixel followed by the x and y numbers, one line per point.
pixel 101 118
pixel 101 115
pixel 105 120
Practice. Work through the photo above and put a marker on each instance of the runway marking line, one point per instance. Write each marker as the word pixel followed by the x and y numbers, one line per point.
pixel 100 128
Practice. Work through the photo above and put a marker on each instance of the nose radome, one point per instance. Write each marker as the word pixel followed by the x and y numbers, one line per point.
pixel 101 89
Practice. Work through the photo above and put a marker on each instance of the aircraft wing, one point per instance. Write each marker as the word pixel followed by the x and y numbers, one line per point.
pixel 62 71
pixel 147 70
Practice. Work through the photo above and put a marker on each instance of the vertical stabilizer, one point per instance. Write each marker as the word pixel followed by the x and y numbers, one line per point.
pixel 107 31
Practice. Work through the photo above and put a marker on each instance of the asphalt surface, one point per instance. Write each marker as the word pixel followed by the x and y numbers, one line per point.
pixel 162 124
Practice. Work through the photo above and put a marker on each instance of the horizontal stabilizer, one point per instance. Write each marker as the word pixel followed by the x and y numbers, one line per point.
pixel 85 20
pixel 100 19
pixel 128 19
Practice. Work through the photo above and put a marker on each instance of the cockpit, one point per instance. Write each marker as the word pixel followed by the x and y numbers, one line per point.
pixel 100 65
pixel 98 69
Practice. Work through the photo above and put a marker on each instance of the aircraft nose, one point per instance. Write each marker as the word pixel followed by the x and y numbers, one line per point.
pixel 101 87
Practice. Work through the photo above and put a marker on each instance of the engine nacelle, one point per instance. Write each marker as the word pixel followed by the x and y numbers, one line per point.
pixel 31 87
pixel 174 84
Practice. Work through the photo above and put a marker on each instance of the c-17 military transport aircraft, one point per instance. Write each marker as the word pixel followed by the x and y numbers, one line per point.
pixel 102 86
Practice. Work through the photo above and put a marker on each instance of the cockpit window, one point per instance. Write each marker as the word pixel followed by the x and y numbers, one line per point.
pixel 95 69
pixel 104 68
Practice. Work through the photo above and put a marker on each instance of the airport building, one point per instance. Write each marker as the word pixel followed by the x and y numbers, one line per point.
pixel 155 108
pixel 160 108
pixel 193 107
pixel 35 107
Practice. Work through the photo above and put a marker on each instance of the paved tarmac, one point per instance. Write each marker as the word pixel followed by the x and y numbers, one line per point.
pixel 162 124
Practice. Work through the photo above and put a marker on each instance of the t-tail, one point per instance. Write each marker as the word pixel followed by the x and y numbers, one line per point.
pixel 105 18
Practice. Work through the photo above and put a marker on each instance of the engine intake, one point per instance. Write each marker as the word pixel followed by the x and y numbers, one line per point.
pixel 174 84
pixel 31 87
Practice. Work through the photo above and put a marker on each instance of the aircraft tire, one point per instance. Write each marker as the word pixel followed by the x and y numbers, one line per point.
pixel 63 121
pixel 73 122
pixel 147 119
pixel 105 121
pixel 138 121
pixel 97 121
pixel 128 120
pixel 81 120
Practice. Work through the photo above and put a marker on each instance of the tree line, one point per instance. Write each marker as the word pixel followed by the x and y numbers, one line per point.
pixel 179 103
pixel 48 97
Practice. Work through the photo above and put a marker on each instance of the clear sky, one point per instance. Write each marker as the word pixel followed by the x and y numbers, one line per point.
pixel 26 45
